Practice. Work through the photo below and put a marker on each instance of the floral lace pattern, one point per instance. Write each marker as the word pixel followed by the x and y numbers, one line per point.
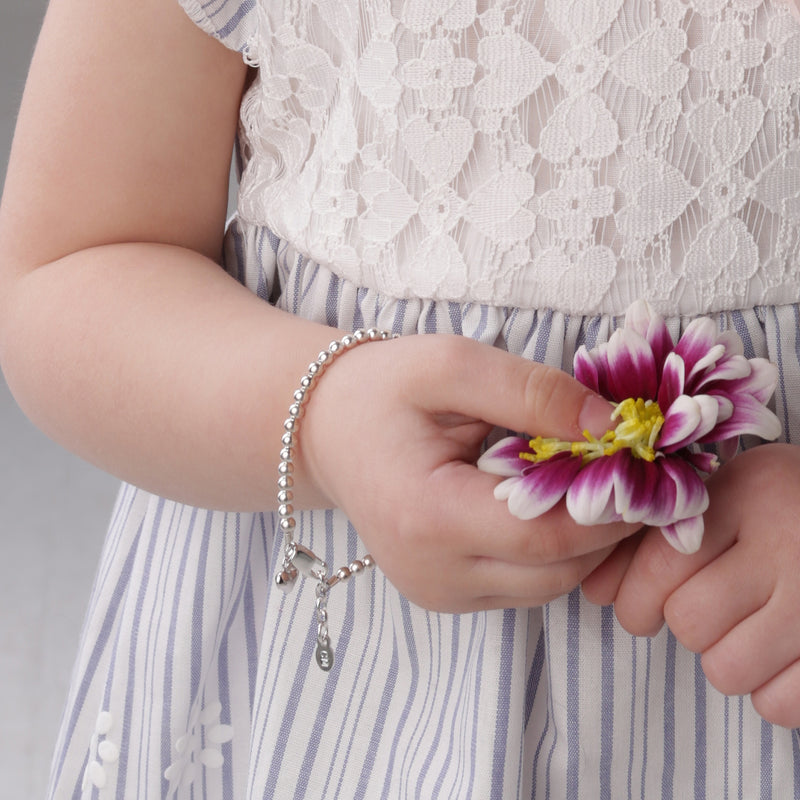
pixel 573 154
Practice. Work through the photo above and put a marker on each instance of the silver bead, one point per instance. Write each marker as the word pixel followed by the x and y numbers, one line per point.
pixel 305 382
pixel 368 561
pixel 285 510
pixel 343 573
pixel 287 524
pixel 285 468
pixel 360 335
pixel 290 424
pixel 313 368
pixel 356 567
pixel 287 454
pixel 285 482
pixel 299 395
pixel 348 340
pixel 323 357
pixel 334 348
pixel 373 334
pixel 295 410
pixel 287 440
pixel 285 496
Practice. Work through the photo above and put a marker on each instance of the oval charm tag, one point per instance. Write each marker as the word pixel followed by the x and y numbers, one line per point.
pixel 324 657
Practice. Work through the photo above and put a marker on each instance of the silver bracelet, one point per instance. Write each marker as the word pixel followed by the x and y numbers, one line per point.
pixel 298 559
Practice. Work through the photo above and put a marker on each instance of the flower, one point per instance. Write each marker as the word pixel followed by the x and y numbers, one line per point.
pixel 669 399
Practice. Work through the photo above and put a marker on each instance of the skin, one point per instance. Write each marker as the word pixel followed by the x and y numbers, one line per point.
pixel 122 338
pixel 735 601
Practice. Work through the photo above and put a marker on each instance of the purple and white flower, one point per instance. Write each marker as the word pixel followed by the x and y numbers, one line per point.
pixel 669 399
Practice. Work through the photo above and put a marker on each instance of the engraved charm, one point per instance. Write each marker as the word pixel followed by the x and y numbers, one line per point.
pixel 324 657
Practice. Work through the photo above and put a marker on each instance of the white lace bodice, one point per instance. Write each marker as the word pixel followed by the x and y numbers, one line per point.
pixel 573 154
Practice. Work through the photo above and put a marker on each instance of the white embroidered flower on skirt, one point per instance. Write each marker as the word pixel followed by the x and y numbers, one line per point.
pixel 102 753
pixel 577 203
pixel 783 67
pixel 669 399
pixel 437 73
pixel 200 748
pixel 729 53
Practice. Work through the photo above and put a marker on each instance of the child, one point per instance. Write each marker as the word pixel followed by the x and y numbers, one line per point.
pixel 515 173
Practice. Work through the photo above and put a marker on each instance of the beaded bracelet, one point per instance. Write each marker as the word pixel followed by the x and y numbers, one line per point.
pixel 298 559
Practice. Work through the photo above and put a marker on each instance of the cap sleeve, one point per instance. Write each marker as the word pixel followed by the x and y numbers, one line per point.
pixel 233 22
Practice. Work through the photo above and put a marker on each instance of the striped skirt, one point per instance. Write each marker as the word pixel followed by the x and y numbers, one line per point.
pixel 195 678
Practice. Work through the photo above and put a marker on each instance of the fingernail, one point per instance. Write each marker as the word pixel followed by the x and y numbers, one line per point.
pixel 595 416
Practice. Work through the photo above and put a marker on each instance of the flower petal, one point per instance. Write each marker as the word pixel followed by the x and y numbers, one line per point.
pixel 641 318
pixel 703 461
pixel 691 496
pixel 686 420
pixel 590 498
pixel 685 535
pixel 540 488
pixel 673 378
pixel 760 381
pixel 590 368
pixel 503 458
pixel 639 492
pixel 749 416
pixel 632 367
pixel 699 347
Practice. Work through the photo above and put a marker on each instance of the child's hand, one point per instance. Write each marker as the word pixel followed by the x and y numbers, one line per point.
pixel 391 436
pixel 736 601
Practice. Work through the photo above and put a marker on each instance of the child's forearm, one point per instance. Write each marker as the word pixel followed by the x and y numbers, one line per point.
pixel 151 362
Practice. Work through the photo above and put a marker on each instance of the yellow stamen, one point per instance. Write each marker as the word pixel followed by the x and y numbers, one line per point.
pixel 638 431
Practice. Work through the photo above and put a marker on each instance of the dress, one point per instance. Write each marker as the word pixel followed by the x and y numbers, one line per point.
pixel 516 172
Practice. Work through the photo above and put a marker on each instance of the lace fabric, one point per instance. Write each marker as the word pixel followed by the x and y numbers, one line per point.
pixel 570 154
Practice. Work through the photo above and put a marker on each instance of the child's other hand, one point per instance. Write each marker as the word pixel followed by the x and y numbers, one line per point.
pixel 391 436
pixel 736 601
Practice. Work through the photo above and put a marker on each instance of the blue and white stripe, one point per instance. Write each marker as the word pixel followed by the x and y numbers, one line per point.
pixel 556 702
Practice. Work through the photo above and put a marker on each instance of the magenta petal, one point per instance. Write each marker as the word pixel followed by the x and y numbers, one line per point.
pixel 590 368
pixel 639 492
pixel 698 347
pixel 540 488
pixel 590 498
pixel 673 377
pixel 749 416
pixel 686 420
pixel 685 535
pixel 641 318
pixel 734 368
pixel 691 496
pixel 760 382
pixel 632 367
pixel 503 458
pixel 702 461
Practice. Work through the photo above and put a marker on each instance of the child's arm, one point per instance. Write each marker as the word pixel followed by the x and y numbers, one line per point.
pixel 736 601
pixel 123 339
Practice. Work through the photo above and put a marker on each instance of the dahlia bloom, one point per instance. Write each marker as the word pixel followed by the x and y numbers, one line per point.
pixel 668 399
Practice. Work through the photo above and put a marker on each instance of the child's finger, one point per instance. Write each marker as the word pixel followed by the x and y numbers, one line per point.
pixel 705 608
pixel 655 572
pixel 601 586
pixel 506 390
pixel 771 632
pixel 778 700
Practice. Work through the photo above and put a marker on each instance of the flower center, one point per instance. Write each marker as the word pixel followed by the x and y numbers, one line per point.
pixel 641 422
